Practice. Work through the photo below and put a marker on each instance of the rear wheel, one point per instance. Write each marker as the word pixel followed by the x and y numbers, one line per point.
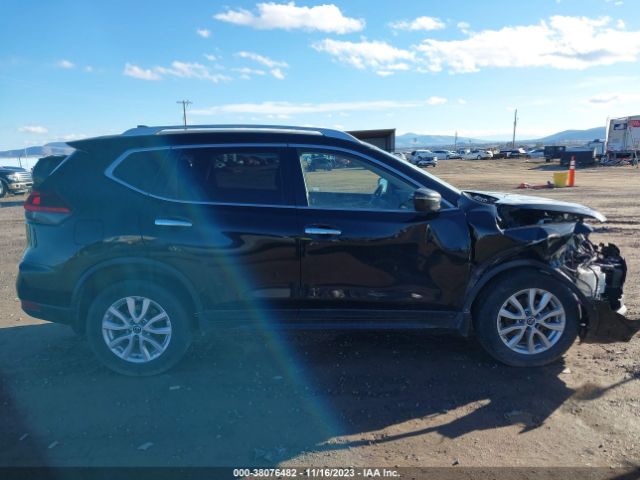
pixel 527 319
pixel 3 189
pixel 138 329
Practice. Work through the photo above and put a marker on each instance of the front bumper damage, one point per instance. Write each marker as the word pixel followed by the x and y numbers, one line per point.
pixel 601 281
pixel 607 325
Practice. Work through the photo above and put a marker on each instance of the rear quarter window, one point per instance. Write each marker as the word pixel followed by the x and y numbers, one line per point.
pixel 206 174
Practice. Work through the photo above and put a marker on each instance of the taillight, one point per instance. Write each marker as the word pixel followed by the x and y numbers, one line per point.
pixel 45 203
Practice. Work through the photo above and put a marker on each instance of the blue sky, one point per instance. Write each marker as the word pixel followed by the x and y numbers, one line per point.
pixel 72 69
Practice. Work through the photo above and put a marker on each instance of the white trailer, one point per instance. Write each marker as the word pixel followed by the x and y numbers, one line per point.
pixel 623 137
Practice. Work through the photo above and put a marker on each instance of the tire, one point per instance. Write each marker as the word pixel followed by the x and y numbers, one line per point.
pixel 144 358
pixel 478 157
pixel 496 309
pixel 3 189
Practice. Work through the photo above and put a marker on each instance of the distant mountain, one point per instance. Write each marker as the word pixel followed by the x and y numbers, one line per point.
pixel 575 136
pixel 413 140
pixel 53 148
pixel 410 140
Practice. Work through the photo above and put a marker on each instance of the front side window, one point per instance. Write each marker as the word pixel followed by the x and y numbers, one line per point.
pixel 344 181
pixel 207 174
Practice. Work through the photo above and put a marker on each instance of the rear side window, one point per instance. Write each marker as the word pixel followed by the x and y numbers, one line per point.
pixel 207 174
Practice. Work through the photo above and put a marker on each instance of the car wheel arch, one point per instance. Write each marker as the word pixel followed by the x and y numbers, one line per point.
pixel 124 269
pixel 476 292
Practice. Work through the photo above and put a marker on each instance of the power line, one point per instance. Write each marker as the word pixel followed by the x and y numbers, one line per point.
pixel 184 109
pixel 515 124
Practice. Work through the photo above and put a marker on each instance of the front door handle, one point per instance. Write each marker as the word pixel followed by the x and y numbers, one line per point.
pixel 322 231
pixel 170 222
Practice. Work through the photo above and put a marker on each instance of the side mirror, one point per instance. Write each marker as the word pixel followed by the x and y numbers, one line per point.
pixel 426 200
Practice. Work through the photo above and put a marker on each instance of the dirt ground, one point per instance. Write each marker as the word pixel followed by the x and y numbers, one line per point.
pixel 302 399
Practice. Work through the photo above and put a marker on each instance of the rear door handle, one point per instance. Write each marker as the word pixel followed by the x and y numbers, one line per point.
pixel 322 231
pixel 170 222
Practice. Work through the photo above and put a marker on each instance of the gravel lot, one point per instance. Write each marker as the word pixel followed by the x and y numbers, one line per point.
pixel 364 399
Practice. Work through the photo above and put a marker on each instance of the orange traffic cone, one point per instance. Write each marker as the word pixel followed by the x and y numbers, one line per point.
pixel 572 172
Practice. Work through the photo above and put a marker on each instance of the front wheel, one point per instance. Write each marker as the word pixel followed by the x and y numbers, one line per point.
pixel 138 329
pixel 527 319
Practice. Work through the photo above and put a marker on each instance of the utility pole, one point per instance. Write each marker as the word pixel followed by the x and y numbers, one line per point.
pixel 184 109
pixel 455 141
pixel 515 124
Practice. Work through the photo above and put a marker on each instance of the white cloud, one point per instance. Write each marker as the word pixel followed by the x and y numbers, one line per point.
pixel 35 129
pixel 135 71
pixel 204 32
pixel 364 54
pixel 561 42
pixel 290 108
pixel 275 66
pixel 461 101
pixel 88 69
pixel 609 99
pixel 66 64
pixel 420 23
pixel 277 73
pixel 177 69
pixel 620 24
pixel 211 58
pixel 436 100
pixel 288 16
pixel 464 27
pixel 191 70
pixel 266 61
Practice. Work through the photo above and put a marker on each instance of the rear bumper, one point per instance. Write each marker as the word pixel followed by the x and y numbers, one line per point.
pixel 39 297
pixel 51 313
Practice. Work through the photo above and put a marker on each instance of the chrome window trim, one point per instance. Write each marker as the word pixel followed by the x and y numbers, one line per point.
pixel 110 169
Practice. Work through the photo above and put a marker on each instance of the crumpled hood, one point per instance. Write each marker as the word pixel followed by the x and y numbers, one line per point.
pixel 535 203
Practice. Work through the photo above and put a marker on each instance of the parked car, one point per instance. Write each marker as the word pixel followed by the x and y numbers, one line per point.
pixel 536 153
pixel 517 153
pixel 141 239
pixel 14 180
pixel 320 162
pixel 477 154
pixel 424 158
pixel 446 154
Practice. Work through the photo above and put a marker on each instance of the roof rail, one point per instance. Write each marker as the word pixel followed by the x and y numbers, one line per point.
pixel 141 130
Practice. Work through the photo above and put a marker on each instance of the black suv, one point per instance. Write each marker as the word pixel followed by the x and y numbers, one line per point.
pixel 14 180
pixel 141 239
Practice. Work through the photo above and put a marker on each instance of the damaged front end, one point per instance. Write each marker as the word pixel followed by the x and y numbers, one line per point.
pixel 599 272
pixel 555 233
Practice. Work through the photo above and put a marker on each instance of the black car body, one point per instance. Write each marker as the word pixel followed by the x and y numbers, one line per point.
pixel 14 180
pixel 227 225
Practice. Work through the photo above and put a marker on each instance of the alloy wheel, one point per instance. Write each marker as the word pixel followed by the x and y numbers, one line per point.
pixel 531 321
pixel 136 329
